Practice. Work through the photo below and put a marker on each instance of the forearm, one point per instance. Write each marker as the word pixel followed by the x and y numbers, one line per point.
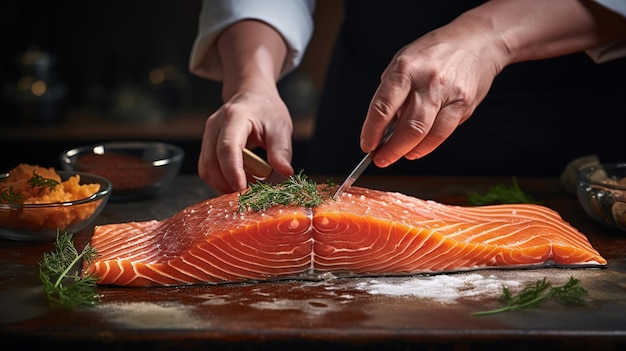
pixel 252 54
pixel 538 29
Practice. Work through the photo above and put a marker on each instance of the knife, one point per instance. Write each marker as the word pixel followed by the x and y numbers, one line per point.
pixel 260 169
pixel 361 166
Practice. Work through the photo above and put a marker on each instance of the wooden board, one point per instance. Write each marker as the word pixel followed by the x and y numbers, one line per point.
pixel 371 313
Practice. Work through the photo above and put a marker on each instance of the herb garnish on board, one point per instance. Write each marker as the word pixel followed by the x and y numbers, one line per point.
pixel 296 190
pixel 570 293
pixel 502 194
pixel 64 284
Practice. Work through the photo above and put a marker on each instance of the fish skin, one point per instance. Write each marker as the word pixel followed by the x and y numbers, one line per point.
pixel 364 232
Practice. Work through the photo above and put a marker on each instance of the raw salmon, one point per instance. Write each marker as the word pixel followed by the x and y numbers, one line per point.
pixel 363 232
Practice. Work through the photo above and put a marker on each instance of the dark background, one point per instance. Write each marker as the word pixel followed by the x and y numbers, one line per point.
pixel 101 54
pixel 101 45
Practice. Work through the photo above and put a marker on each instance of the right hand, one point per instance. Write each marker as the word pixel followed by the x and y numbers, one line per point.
pixel 249 118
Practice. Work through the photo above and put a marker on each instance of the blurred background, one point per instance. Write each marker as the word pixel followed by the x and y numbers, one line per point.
pixel 81 72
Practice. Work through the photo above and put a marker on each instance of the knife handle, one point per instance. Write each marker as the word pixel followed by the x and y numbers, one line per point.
pixel 255 165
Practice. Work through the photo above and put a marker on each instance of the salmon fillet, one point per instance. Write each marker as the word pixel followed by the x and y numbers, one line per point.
pixel 363 232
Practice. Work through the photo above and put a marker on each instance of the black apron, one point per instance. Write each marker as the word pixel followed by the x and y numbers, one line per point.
pixel 536 118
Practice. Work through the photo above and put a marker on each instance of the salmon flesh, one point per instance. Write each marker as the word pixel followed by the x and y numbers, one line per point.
pixel 364 232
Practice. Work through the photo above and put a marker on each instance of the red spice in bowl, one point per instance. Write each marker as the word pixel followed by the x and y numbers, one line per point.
pixel 135 169
pixel 130 172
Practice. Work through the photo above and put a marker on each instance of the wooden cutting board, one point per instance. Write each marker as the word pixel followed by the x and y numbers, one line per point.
pixel 432 312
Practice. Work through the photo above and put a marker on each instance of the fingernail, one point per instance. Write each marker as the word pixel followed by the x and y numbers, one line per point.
pixel 383 163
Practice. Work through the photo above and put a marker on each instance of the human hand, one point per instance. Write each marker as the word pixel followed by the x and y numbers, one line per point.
pixel 433 85
pixel 248 119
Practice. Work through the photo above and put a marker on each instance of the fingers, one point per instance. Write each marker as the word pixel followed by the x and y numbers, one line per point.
pixel 233 136
pixel 217 163
pixel 416 111
pixel 409 132
pixel 447 119
pixel 433 86
pixel 246 120
pixel 279 149
pixel 387 101
pixel 424 124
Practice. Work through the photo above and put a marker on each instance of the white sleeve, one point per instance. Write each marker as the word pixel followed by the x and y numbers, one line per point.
pixel 293 19
pixel 616 49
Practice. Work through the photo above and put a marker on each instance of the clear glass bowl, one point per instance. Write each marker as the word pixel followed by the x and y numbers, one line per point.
pixel 136 169
pixel 601 191
pixel 42 222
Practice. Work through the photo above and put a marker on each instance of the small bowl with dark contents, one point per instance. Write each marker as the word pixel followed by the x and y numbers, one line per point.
pixel 601 190
pixel 136 169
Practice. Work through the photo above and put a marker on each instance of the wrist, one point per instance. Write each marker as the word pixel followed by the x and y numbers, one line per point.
pixel 248 84
pixel 252 55
pixel 486 40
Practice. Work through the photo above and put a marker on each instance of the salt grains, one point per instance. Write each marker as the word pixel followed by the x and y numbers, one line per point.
pixel 442 288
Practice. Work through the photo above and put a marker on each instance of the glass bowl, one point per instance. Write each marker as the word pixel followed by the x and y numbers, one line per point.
pixel 42 222
pixel 601 191
pixel 136 169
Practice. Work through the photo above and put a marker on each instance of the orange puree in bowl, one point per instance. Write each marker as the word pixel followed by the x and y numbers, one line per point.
pixel 18 189
pixel 68 190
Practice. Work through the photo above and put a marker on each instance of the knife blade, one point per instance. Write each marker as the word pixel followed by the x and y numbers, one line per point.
pixel 362 165
pixel 260 169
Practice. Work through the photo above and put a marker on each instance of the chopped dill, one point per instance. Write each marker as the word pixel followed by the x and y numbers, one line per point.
pixel 37 180
pixel 10 197
pixel 570 293
pixel 502 194
pixel 296 190
pixel 65 285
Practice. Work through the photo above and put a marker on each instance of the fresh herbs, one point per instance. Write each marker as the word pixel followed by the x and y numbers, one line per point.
pixel 502 194
pixel 37 180
pixel 64 284
pixel 570 293
pixel 10 196
pixel 296 190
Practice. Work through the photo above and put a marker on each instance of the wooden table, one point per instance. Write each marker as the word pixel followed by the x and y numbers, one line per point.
pixel 353 313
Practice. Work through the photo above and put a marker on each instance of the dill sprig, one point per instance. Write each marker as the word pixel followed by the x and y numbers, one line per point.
pixel 37 180
pixel 502 194
pixel 10 197
pixel 64 284
pixel 296 190
pixel 570 293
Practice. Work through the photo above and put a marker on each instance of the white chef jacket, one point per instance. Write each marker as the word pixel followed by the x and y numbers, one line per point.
pixel 293 19
pixel 297 28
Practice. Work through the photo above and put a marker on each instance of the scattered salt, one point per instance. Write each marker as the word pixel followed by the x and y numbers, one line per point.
pixel 440 288
pixel 146 315
pixel 312 306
